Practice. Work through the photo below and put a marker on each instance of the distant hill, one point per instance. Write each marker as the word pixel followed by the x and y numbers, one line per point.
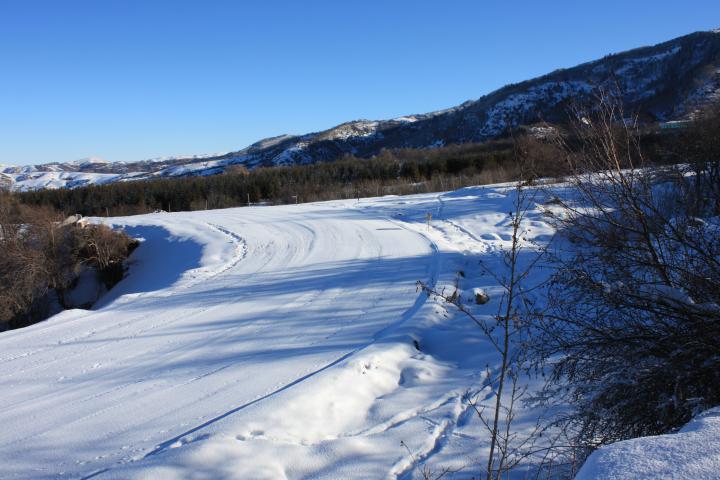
pixel 663 82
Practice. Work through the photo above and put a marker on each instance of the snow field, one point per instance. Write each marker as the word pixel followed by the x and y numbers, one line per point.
pixel 284 342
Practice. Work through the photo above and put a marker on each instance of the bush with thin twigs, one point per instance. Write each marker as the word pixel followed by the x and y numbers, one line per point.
pixel 632 336
pixel 42 258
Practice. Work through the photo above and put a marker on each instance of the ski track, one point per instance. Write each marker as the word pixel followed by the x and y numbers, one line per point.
pixel 240 252
pixel 281 302
pixel 303 243
pixel 421 298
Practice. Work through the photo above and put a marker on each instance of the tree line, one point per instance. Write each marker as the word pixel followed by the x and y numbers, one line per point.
pixel 391 172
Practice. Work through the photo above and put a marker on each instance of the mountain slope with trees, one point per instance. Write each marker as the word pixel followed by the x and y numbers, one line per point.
pixel 663 82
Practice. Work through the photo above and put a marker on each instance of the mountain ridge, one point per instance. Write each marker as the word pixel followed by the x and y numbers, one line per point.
pixel 661 82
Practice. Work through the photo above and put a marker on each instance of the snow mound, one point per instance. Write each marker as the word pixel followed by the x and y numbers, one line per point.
pixel 692 453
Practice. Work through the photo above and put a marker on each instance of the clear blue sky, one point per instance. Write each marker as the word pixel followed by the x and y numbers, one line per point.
pixel 129 80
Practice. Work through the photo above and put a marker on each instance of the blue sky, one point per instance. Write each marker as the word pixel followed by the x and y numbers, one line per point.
pixel 129 80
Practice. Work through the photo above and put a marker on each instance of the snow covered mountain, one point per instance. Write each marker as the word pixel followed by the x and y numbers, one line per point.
pixel 662 82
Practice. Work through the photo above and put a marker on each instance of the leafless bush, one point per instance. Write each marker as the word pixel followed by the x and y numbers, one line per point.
pixel 633 334
pixel 28 266
pixel 105 249
pixel 42 259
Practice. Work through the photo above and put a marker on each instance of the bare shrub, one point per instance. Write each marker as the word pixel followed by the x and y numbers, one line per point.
pixel 105 249
pixel 42 259
pixel 633 333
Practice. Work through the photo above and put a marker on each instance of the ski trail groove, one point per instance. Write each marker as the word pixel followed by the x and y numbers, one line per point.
pixel 420 300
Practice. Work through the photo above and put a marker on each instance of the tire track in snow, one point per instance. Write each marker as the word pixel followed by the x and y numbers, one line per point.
pixel 241 250
pixel 182 348
pixel 407 315
pixel 240 254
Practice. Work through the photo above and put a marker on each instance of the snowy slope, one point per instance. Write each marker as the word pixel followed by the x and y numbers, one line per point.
pixel 691 453
pixel 267 342
pixel 52 180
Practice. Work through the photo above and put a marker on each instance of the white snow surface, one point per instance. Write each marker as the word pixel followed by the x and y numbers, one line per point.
pixel 692 453
pixel 52 180
pixel 281 342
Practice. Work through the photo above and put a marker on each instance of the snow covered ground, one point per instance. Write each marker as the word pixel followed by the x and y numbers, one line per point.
pixel 270 343
pixel 52 180
pixel 691 453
